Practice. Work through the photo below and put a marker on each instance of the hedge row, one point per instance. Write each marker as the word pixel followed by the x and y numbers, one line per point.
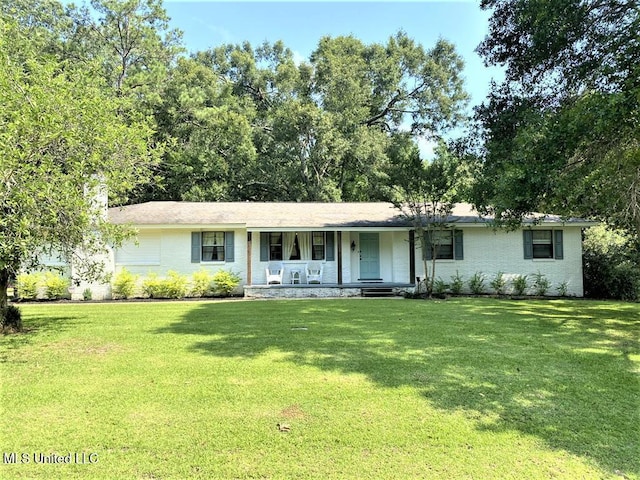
pixel 478 283
pixel 31 286
pixel 175 285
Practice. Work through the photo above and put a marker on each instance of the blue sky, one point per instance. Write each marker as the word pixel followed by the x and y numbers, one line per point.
pixel 300 25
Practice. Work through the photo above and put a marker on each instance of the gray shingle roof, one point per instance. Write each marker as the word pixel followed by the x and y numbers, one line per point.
pixel 266 215
pixel 259 214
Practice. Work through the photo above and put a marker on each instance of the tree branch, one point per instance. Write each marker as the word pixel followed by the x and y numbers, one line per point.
pixel 372 120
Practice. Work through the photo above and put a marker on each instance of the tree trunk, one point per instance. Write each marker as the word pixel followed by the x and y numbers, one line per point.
pixel 4 285
pixel 10 318
pixel 432 278
pixel 428 280
pixel 425 264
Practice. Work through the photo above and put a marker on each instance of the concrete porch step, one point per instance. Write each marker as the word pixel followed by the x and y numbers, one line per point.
pixel 378 292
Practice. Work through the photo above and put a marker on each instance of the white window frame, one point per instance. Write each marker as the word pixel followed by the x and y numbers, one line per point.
pixel 216 247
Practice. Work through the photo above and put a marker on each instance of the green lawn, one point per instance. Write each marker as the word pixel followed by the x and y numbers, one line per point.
pixel 463 388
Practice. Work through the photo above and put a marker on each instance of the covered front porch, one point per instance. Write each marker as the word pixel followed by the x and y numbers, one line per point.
pixel 349 260
pixel 329 290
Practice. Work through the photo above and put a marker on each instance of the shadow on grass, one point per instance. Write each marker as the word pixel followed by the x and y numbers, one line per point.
pixel 33 325
pixel 561 371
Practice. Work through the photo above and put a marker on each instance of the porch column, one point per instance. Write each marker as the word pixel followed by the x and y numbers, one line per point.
pixel 339 257
pixel 412 257
pixel 249 281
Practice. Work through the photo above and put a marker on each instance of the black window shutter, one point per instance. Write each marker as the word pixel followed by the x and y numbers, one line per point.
pixel 458 252
pixel 558 248
pixel 195 247
pixel 330 246
pixel 229 244
pixel 264 246
pixel 527 240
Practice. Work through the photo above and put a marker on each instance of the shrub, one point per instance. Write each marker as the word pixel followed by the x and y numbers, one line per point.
pixel 55 286
pixel 476 283
pixel 11 318
pixel 152 286
pixel 457 283
pixel 611 264
pixel 27 285
pixel 87 294
pixel 498 283
pixel 439 286
pixel 615 279
pixel 201 283
pixel 563 289
pixel 124 285
pixel 225 282
pixel 520 284
pixel 175 285
pixel 541 284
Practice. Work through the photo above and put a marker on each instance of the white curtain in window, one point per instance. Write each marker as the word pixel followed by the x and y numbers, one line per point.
pixel 289 244
pixel 304 242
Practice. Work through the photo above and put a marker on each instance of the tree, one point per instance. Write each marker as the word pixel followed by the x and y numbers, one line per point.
pixel 294 137
pixel 45 22
pixel 425 193
pixel 138 44
pixel 321 130
pixel 61 141
pixel 562 131
pixel 375 92
pixel 208 138
pixel 132 42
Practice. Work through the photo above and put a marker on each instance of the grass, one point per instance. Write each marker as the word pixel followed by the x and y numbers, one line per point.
pixel 464 388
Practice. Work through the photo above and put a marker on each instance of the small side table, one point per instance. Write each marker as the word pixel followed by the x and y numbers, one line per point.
pixel 296 275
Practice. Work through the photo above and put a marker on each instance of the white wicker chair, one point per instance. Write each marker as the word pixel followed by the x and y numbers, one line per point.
pixel 314 272
pixel 274 271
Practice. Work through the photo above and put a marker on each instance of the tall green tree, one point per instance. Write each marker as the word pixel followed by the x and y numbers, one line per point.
pixel 209 153
pixel 133 43
pixel 322 129
pixel 377 91
pixel 425 193
pixel 562 131
pixel 46 22
pixel 61 141
pixel 138 44
pixel 292 135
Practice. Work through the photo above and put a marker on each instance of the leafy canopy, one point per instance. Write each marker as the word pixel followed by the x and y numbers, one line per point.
pixel 251 123
pixel 562 132
pixel 61 141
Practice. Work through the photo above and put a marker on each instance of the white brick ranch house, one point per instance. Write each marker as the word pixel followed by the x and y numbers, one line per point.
pixel 358 245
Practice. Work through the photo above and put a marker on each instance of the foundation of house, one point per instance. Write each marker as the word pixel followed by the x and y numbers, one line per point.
pixel 327 290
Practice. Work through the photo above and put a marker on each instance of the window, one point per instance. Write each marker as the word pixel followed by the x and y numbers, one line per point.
pixel 275 246
pixel 542 244
pixel 213 246
pixel 447 245
pixel 443 242
pixel 296 246
pixel 317 246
